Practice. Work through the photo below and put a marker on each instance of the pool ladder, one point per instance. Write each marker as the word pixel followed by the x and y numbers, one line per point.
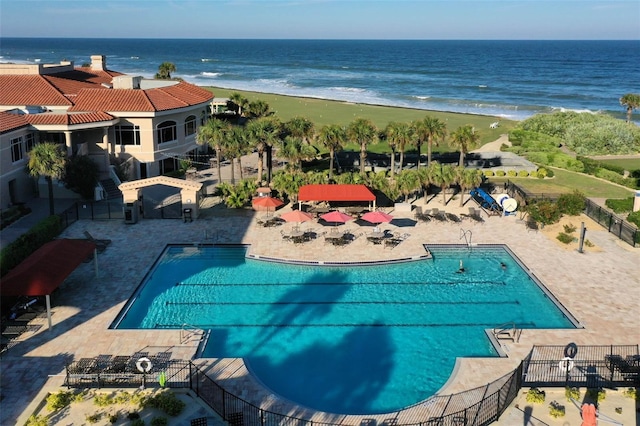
pixel 508 331
pixel 464 234
pixel 190 333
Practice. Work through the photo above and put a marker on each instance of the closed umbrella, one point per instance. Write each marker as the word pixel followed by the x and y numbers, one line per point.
pixel 377 217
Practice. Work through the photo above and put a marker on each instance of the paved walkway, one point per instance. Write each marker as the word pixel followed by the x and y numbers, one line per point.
pixel 601 289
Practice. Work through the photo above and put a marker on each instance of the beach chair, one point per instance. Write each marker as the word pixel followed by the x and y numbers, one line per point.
pixel 438 215
pixel 453 218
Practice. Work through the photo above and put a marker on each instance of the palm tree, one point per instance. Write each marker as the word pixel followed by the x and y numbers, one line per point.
pixel 431 130
pixel 236 144
pixel 332 137
pixel 362 131
pixel 295 150
pixel 164 71
pixel 47 159
pixel 426 177
pixel 257 109
pixel 397 135
pixel 407 182
pixel 213 134
pixel 463 139
pixel 239 101
pixel 300 127
pixel 443 176
pixel 467 179
pixel 631 101
pixel 263 133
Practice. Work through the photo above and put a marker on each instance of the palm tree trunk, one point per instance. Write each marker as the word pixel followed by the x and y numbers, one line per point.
pixel 331 154
pixel 363 157
pixel 219 167
pixel 462 189
pixel 401 161
pixel 240 166
pixel 444 195
pixel 52 209
pixel 429 142
pixel 260 160
pixel 233 174
pixel 418 146
pixel 461 158
pixel 393 162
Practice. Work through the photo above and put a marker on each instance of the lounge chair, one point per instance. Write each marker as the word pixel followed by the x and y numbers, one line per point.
pixel 532 225
pixel 452 218
pixel 438 215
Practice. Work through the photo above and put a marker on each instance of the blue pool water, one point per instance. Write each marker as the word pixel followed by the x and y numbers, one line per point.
pixel 354 339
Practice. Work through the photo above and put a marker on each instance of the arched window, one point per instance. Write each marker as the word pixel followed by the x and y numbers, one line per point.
pixel 190 125
pixel 167 132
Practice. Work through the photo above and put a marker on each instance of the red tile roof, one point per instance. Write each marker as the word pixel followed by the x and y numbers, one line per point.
pixel 16 90
pixel 68 119
pixel 335 193
pixel 150 100
pixel 10 121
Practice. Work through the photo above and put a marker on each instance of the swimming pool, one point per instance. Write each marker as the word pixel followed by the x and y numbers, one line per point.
pixel 352 339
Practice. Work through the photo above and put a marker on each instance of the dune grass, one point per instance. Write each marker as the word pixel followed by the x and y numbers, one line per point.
pixel 322 112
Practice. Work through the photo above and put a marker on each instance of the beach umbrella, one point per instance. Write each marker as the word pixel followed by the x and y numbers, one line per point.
pixel 377 217
pixel 266 204
pixel 336 217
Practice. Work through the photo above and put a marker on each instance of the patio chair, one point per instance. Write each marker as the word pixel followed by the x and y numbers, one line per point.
pixel 453 218
pixel 475 215
pixel 532 225
pixel 438 215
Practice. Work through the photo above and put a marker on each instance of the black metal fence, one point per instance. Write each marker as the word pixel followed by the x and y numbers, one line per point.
pixel 622 229
pixel 614 224
pixel 549 366
pixel 92 210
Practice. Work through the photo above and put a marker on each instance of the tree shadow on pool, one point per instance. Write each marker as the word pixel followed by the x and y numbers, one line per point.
pixel 345 377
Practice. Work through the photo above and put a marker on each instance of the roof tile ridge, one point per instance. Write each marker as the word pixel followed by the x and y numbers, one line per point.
pixel 53 86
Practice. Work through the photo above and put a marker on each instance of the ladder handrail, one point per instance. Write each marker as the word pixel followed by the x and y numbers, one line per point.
pixel 189 330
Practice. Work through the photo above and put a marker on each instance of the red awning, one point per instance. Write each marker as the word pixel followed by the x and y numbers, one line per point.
pixel 335 193
pixel 42 272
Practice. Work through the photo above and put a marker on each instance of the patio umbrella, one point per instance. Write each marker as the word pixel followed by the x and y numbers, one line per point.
pixel 296 216
pixel 266 203
pixel 336 217
pixel 377 217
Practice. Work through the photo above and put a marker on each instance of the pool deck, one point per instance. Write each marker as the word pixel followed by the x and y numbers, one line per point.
pixel 601 289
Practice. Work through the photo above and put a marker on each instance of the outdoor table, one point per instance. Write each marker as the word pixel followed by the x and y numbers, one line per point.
pixel 377 235
pixel 296 233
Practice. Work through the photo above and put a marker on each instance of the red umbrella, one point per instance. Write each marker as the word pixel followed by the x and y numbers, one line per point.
pixel 377 217
pixel 336 217
pixel 296 216
pixel 266 203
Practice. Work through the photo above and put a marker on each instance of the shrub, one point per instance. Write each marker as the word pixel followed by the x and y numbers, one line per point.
pixel 571 204
pixel 588 243
pixel 167 402
pixel 159 421
pixel 81 175
pixel 542 172
pixel 615 178
pixel 630 393
pixel 523 173
pixel 59 400
pixel 512 173
pixel 634 218
pixel 34 420
pixel 534 174
pixel 544 212
pixel 620 205
pixel 550 173
pixel 113 418
pixel 569 228
pixel 572 393
pixel 535 396
pixel 500 173
pixel 488 173
pixel 565 238
pixel 556 410
pixel 597 395
pixel 94 418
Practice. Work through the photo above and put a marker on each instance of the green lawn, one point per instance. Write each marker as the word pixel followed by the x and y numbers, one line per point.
pixel 323 112
pixel 626 163
pixel 565 182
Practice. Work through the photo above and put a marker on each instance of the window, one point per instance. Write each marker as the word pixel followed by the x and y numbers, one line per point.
pixel 167 132
pixel 127 135
pixel 29 142
pixel 190 125
pixel 16 149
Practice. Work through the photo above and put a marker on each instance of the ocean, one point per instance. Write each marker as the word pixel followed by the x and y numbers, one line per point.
pixel 508 79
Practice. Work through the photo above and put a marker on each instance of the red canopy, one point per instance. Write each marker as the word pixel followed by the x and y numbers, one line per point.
pixel 42 272
pixel 335 193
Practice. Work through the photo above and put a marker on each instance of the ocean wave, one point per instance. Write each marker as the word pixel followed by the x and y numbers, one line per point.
pixel 210 74
pixel 348 89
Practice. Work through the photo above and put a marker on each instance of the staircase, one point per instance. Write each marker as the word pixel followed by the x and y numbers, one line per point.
pixel 110 189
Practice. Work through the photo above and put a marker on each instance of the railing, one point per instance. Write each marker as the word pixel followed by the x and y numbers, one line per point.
pixel 507 330
pixel 190 333
pixel 92 210
pixel 614 224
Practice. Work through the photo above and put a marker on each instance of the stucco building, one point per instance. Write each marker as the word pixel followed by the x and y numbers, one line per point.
pixel 148 124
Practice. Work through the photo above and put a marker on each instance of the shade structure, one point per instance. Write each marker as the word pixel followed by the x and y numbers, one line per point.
pixel 266 203
pixel 336 217
pixel 377 217
pixel 296 216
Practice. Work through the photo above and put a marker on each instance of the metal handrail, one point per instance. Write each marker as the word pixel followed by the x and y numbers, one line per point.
pixel 187 331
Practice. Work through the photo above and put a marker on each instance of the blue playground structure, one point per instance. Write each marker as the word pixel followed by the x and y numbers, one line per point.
pixel 486 201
